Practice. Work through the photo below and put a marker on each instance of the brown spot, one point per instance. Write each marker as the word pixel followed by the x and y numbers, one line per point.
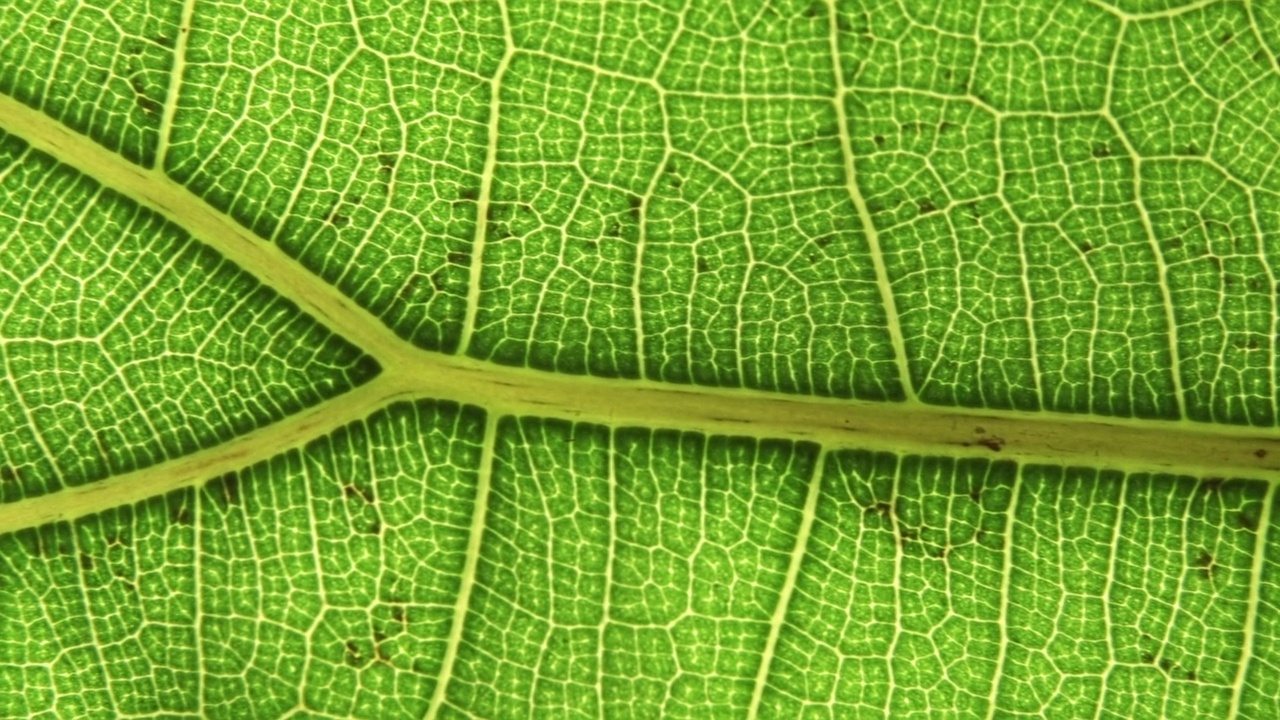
pixel 879 139
pixel 1259 453
pixel 458 258
pixel 180 515
pixel 1207 567
pixel 994 444
pixel 352 492
pixel 1247 521
pixel 925 206
pixel 227 490
pixel 353 655
pixel 438 279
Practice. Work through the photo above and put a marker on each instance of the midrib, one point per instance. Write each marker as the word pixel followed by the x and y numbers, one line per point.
pixel 409 372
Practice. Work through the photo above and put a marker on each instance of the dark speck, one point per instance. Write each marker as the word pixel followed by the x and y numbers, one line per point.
pixel 227 492
pixel 353 657
pixel 457 258
pixel 1259 453
pixel 180 515
pixel 1247 521
pixel 926 206
pixel 879 139
pixel 994 444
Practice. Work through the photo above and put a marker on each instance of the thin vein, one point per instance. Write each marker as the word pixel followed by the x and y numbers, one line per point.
pixel 486 189
pixel 610 554
pixel 1006 588
pixel 892 317
pixel 478 516
pixel 789 585
pixel 175 83
pixel 1108 621
pixel 1162 268
pixel 1254 601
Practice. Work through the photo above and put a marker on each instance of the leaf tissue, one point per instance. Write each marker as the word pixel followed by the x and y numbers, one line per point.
pixel 639 358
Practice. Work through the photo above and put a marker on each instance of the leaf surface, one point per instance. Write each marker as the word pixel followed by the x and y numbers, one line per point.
pixel 639 359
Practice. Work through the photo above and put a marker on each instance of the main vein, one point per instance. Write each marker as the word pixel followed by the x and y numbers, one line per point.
pixel 409 372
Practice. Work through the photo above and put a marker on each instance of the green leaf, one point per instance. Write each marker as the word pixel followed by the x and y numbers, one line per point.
pixel 766 359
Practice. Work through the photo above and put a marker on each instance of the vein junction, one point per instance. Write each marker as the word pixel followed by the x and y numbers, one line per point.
pixel 409 372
